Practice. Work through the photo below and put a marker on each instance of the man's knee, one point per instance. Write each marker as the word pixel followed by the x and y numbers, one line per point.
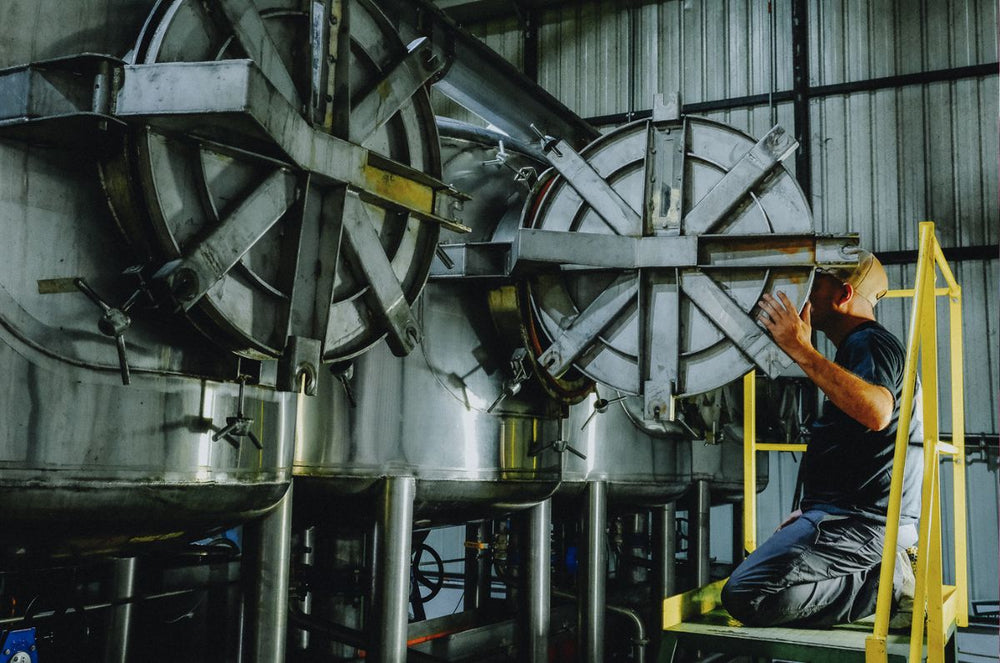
pixel 753 604
pixel 738 600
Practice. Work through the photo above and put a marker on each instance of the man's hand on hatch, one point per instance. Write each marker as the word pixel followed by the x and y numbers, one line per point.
pixel 792 332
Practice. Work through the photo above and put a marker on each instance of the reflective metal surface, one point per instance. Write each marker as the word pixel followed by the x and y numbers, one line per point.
pixel 87 465
pixel 426 415
pixel 267 558
pixel 638 467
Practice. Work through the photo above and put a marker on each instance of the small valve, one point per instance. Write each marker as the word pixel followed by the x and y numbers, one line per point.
pixel 512 385
pixel 600 407
pixel 559 446
pixel 500 159
pixel 116 321
pixel 548 143
pixel 238 426
pixel 344 372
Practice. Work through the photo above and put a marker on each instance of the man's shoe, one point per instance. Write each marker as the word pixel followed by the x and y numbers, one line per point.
pixel 904 586
pixel 904 582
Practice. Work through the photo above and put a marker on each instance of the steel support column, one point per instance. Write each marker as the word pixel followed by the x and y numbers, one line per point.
pixel 539 584
pixel 593 573
pixel 392 570
pixel 477 566
pixel 700 522
pixel 122 591
pixel 265 577
pixel 665 550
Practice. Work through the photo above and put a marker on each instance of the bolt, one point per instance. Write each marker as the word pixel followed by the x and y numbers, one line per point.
pixel 412 335
pixel 185 284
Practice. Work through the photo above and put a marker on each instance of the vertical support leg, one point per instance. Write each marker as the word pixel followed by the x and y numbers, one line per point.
pixel 593 572
pixel 307 558
pixel 664 569
pixel 392 570
pixel 665 551
pixel 739 539
pixel 539 583
pixel 699 534
pixel 477 571
pixel 958 462
pixel 268 553
pixel 122 591
pixel 749 463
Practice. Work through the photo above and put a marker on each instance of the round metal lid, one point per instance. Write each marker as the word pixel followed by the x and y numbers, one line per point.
pixel 326 258
pixel 652 317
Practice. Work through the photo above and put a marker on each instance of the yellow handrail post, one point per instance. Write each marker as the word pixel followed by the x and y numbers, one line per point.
pixel 749 462
pixel 958 460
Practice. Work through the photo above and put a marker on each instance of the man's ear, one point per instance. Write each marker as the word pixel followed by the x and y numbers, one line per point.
pixel 846 294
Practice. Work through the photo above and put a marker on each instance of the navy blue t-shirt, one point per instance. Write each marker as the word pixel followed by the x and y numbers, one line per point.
pixel 847 466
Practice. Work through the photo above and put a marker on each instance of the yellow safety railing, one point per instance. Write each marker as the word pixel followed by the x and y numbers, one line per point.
pixel 945 605
pixel 750 448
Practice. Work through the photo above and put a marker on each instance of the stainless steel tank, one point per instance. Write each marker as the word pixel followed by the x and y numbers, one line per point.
pixel 271 172
pixel 86 463
pixel 428 415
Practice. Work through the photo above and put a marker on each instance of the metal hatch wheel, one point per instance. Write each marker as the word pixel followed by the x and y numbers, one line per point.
pixel 255 246
pixel 666 233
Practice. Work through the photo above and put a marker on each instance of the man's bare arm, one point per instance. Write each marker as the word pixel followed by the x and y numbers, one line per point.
pixel 868 404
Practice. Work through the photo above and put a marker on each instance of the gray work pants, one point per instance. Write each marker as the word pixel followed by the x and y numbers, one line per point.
pixel 820 570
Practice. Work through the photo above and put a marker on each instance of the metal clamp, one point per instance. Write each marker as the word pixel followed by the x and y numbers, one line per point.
pixel 238 426
pixel 512 385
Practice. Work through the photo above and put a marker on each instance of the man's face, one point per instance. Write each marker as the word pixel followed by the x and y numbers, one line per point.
pixel 827 293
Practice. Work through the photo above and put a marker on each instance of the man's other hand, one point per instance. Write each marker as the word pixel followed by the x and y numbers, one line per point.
pixel 792 517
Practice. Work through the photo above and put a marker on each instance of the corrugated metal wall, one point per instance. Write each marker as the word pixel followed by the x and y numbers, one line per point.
pixel 881 160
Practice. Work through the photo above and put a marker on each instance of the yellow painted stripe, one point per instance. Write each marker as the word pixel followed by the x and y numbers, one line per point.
pixel 781 447
pixel 400 190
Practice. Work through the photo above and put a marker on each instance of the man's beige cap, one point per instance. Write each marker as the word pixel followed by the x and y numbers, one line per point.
pixel 868 277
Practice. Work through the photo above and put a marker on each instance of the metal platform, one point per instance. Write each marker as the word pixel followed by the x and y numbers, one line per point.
pixel 717 631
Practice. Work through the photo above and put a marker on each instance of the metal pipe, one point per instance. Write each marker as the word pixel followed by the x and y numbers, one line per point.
pixel 665 550
pixel 306 559
pixel 348 636
pixel 539 582
pixel 484 82
pixel 266 564
pixel 122 589
pixel 392 570
pixel 476 586
pixel 700 528
pixel 593 572
pixel 104 605
pixel 640 640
